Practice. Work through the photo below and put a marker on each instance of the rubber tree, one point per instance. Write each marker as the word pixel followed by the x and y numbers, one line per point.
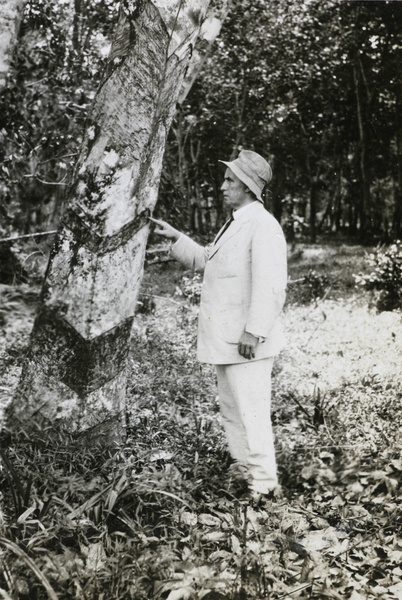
pixel 75 368
pixel 10 19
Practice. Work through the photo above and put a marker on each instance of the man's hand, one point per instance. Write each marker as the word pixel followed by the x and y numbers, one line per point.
pixel 247 345
pixel 165 229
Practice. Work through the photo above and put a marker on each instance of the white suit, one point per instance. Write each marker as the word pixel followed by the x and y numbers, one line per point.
pixel 244 289
pixel 244 286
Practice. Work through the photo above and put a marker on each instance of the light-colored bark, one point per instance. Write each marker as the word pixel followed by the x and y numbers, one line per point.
pixel 76 365
pixel 10 18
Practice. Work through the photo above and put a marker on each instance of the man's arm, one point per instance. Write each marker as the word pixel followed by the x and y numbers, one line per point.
pixel 268 279
pixel 165 229
pixel 268 286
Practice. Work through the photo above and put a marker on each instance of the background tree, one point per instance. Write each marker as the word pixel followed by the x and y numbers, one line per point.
pixel 307 84
pixel 43 110
pixel 10 19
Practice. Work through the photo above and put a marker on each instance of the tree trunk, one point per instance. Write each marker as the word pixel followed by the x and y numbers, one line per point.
pixel 77 24
pixel 338 201
pixel 241 100
pixel 75 369
pixel 278 191
pixel 10 19
pixel 397 216
pixel 314 187
pixel 365 201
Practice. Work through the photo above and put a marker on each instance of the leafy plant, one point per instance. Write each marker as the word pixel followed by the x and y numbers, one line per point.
pixel 20 489
pixel 162 517
pixel 191 288
pixel 386 276
pixel 316 285
pixel 310 288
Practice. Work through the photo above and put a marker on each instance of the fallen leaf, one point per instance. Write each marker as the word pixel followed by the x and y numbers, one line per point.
pixel 181 594
pixel 188 518
pixel 206 519
pixel 214 536
pixel 396 589
pixel 236 546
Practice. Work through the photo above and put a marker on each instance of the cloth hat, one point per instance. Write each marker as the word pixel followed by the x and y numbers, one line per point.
pixel 252 169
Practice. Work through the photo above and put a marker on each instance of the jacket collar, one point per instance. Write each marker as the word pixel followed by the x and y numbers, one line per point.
pixel 240 211
pixel 241 216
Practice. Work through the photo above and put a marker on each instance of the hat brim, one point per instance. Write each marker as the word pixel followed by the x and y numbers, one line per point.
pixel 244 178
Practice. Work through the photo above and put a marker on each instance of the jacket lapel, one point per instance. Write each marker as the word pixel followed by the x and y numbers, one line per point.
pixel 231 231
pixel 235 227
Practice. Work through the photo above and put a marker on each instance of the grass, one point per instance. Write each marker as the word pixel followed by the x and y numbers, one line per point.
pixel 159 516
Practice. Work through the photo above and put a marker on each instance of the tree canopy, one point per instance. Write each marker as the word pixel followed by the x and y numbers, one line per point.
pixel 313 86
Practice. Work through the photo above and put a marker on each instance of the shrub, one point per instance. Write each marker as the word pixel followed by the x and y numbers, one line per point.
pixel 386 276
pixel 308 289
pixel 191 288
pixel 315 285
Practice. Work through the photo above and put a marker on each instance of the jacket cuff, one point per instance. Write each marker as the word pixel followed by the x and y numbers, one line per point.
pixel 261 338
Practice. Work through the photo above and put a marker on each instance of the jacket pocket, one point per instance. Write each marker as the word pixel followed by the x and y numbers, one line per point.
pixel 231 324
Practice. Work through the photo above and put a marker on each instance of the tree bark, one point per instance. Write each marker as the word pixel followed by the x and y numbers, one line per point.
pixel 365 199
pixel 75 369
pixel 397 216
pixel 338 201
pixel 278 191
pixel 10 19
pixel 314 188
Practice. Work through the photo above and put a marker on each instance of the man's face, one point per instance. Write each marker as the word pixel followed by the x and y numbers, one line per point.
pixel 234 191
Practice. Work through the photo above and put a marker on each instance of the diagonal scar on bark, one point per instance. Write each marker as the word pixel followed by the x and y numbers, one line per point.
pixel 104 244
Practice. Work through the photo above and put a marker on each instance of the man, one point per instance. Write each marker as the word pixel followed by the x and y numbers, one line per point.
pixel 243 293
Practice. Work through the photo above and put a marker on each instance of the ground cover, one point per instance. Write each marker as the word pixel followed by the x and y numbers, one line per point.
pixel 160 517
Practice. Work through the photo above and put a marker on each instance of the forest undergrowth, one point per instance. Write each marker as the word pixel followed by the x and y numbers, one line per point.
pixel 161 516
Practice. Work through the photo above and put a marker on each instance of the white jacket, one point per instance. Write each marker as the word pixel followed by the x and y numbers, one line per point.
pixel 244 286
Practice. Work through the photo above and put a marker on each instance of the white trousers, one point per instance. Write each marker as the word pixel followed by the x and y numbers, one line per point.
pixel 245 402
